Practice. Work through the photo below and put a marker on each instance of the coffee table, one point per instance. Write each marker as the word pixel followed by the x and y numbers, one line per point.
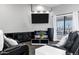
pixel 48 50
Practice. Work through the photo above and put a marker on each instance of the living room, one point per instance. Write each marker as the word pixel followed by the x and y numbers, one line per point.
pixel 39 29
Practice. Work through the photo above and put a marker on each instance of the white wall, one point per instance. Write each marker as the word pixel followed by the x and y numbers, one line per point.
pixel 14 18
pixel 17 18
pixel 42 26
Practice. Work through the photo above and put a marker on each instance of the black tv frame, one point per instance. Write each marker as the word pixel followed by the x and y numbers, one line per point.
pixel 40 21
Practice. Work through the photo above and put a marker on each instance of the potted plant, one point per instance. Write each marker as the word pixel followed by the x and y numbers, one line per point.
pixel 42 35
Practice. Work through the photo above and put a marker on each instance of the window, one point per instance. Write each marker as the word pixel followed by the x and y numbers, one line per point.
pixel 64 25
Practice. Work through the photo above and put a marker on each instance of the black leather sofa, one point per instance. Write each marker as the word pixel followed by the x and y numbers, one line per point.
pixel 20 36
pixel 72 44
pixel 20 49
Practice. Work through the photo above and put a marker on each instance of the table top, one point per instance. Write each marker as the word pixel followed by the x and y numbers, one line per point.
pixel 48 50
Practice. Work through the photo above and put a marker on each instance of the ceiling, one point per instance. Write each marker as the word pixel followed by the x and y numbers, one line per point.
pixel 51 5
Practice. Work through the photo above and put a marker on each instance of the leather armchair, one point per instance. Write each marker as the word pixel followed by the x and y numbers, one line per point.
pixel 72 44
pixel 21 49
pixel 11 47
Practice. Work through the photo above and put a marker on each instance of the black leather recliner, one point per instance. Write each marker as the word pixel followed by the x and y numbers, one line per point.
pixel 75 47
pixel 16 50
pixel 72 44
pixel 20 49
pixel 73 36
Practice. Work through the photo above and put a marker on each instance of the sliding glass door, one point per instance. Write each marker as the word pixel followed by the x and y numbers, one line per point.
pixel 64 25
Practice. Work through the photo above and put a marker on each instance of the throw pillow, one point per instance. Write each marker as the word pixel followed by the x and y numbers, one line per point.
pixel 10 42
pixel 62 41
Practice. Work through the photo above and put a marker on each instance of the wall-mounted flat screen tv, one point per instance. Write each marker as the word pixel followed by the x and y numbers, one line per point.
pixel 40 18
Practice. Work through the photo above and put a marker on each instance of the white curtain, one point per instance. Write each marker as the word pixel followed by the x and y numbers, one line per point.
pixel 1 40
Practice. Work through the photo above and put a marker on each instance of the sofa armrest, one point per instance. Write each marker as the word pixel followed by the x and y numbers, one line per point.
pixel 57 47
pixel 16 50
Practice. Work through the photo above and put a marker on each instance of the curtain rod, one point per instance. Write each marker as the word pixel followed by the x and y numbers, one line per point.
pixel 63 14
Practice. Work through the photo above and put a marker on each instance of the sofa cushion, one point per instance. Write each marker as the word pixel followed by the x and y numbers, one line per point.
pixel 62 41
pixel 10 42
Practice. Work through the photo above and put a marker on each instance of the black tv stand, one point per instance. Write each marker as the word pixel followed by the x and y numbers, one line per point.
pixel 37 40
pixel 40 42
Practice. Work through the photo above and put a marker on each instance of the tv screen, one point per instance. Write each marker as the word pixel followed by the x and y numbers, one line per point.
pixel 40 18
